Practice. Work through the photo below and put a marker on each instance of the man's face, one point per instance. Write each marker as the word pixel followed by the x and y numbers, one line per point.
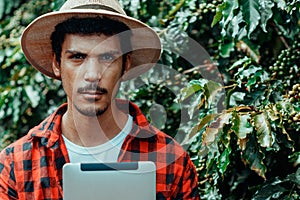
pixel 90 70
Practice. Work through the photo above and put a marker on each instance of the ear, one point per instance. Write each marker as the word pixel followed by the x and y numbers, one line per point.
pixel 127 65
pixel 56 67
pixel 128 62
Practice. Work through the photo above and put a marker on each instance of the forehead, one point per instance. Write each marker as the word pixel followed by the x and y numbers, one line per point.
pixel 91 43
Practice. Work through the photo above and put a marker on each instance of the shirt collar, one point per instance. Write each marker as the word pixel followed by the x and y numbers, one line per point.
pixel 49 130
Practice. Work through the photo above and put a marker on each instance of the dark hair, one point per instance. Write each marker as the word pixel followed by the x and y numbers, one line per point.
pixel 89 26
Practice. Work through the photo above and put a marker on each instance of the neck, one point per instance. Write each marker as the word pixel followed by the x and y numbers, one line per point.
pixel 92 131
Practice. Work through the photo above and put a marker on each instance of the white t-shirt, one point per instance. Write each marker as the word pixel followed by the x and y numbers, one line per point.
pixel 107 152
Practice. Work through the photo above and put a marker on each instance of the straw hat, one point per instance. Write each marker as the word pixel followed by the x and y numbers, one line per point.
pixel 36 43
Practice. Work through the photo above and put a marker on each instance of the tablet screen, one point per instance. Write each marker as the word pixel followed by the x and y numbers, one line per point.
pixel 109 181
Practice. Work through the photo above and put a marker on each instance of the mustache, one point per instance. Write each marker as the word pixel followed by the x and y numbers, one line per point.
pixel 92 87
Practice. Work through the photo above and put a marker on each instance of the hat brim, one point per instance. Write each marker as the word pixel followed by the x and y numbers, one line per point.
pixel 37 48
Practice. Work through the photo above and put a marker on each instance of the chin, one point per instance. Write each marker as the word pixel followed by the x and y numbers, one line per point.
pixel 91 111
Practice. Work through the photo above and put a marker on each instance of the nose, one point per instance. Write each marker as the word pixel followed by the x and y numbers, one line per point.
pixel 93 71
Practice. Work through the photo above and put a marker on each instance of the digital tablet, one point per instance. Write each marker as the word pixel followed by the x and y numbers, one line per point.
pixel 109 181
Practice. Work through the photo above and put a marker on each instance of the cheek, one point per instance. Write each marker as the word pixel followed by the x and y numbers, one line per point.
pixel 68 81
pixel 71 74
pixel 113 74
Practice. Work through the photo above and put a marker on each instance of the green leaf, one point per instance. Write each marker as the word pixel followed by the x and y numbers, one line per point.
pixel 251 81
pixel 196 103
pixel 211 133
pixel 16 104
pixel 263 128
pixel 272 112
pixel 213 90
pixel 235 23
pixel 202 124
pixel 266 12
pixel 224 160
pixel 254 157
pixel 212 156
pixel 236 98
pixel 33 95
pixel 56 5
pixel 240 62
pixel 246 73
pixel 242 33
pixel 203 92
pixel 228 11
pixel 218 16
pixel 226 49
pixel 270 191
pixel 281 4
pixel 241 125
pixel 192 88
pixel 250 10
pixel 2 8
pixel 296 178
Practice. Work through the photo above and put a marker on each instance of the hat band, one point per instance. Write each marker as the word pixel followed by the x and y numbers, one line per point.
pixel 96 7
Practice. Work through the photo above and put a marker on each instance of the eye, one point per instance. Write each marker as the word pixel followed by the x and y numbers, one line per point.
pixel 78 56
pixel 107 57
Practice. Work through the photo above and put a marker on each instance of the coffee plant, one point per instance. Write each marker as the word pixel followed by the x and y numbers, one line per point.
pixel 226 87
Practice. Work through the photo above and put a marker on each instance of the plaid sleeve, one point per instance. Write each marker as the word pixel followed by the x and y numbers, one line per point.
pixel 7 178
pixel 189 188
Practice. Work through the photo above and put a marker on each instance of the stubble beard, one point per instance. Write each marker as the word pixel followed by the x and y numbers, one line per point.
pixel 91 111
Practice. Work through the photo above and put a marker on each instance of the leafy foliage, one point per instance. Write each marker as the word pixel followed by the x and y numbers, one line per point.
pixel 234 105
pixel 26 96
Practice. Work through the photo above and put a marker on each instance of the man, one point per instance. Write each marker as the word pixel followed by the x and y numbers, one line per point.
pixel 91 45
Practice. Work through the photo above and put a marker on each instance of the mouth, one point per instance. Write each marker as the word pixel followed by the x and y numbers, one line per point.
pixel 92 95
pixel 92 92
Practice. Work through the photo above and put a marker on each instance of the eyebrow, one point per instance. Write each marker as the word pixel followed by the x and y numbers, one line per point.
pixel 108 52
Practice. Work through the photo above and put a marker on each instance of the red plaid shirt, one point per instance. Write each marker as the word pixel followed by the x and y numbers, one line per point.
pixel 31 168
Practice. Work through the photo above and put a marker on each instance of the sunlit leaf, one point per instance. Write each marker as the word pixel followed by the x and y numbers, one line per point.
pixel 266 12
pixel 250 9
pixel 235 23
pixel 212 92
pixel 281 4
pixel 263 128
pixel 6 6
pixel 202 124
pixel 236 97
pixel 240 62
pixel 192 88
pixel 212 131
pixel 228 11
pixel 245 73
pixel 210 135
pixel 197 102
pixel 241 125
